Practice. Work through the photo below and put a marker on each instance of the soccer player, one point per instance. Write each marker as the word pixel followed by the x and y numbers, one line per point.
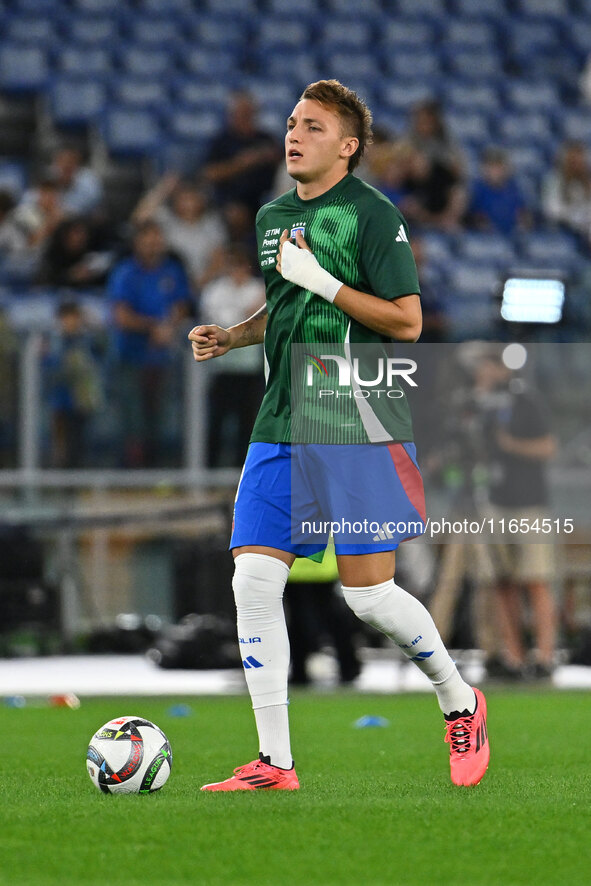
pixel 338 267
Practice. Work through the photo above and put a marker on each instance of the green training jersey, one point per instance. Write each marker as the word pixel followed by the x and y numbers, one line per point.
pixel 361 239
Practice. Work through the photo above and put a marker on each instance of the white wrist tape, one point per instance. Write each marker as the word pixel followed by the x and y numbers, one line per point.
pixel 301 267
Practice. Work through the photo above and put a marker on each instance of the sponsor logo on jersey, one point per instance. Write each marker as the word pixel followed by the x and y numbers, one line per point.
pixel 401 235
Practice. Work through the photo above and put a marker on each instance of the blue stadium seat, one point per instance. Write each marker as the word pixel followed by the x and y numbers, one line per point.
pixel 339 34
pixel 409 34
pixel 86 61
pixel 402 96
pixel 526 38
pixel 286 7
pixel 99 7
pixel 576 124
pixel 197 93
pixel 144 61
pixel 271 96
pixel 13 176
pixel 212 64
pixel 578 34
pixel 131 132
pixel 213 31
pixel 286 33
pixel 351 8
pixel 140 92
pixel 492 250
pixel 76 102
pixel 32 30
pixel 93 30
pixel 167 7
pixel 347 66
pixel 473 280
pixel 527 95
pixel 34 7
pixel 551 250
pixel 528 159
pixel 520 128
pixel 494 9
pixel 557 9
pixel 244 9
pixel 303 67
pixel 439 249
pixel 192 125
pixel 23 68
pixel 471 126
pixel 400 62
pixel 464 95
pixel 435 9
pixel 469 34
pixel 149 31
pixel 476 65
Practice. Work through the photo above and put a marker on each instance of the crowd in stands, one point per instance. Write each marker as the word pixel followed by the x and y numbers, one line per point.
pixel 187 253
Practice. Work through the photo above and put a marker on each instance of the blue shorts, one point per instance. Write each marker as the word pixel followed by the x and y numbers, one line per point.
pixel 369 497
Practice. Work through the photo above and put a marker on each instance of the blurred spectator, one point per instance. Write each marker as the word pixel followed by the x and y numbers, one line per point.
pixel 429 134
pixel 435 195
pixel 150 294
pixel 9 351
pixel 73 258
pixel 12 237
pixel 190 227
pixel 390 166
pixel 496 202
pixel 75 386
pixel 75 190
pixel 566 190
pixel 40 212
pixel 521 444
pixel 382 137
pixel 237 386
pixel 242 159
pixel 435 327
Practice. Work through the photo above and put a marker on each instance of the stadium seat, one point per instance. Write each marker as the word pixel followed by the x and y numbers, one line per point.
pixel 99 7
pixel 469 34
pixel 215 32
pixel 75 102
pixel 528 159
pixel 435 9
pixel 93 30
pixel 88 61
pixel 492 250
pixel 304 68
pixel 13 176
pixel 140 92
pixel 399 63
pixel 576 124
pixel 232 9
pixel 147 61
pixel 527 95
pixel 129 132
pixel 211 64
pixel 409 34
pixel 557 9
pixel 32 30
pixel 285 33
pixel 474 64
pixel 194 92
pixel 522 128
pixel 167 7
pixel 439 249
pixel 286 7
pixel 462 95
pixel 23 68
pixel 402 96
pixel 473 280
pixel 339 34
pixel 149 31
pixel 189 124
pixel 526 38
pixel 473 126
pixel 494 9
pixel 551 250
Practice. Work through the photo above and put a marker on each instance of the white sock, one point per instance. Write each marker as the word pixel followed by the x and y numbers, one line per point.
pixel 259 582
pixel 273 729
pixel 405 620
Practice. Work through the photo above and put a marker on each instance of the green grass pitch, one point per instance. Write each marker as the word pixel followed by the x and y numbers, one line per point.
pixel 375 807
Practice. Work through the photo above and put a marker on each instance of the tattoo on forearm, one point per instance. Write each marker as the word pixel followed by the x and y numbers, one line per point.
pixel 253 328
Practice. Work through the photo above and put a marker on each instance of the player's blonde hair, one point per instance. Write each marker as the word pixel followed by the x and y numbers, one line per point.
pixel 355 116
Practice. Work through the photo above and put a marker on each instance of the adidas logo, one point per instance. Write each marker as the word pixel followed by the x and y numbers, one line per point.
pixel 251 662
pixel 401 235
pixel 384 534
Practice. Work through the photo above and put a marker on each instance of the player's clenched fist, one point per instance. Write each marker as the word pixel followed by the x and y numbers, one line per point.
pixel 209 341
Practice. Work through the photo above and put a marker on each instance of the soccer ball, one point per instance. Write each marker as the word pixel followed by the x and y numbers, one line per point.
pixel 129 755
